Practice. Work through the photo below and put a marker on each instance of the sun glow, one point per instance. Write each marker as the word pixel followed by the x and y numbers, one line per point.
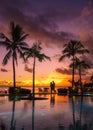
pixel 59 79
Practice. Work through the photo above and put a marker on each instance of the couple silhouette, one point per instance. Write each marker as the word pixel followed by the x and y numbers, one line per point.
pixel 52 86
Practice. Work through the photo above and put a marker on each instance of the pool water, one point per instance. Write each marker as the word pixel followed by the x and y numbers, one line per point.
pixel 55 113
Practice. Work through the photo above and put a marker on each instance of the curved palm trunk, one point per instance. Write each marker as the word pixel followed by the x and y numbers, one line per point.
pixel 73 71
pixel 80 79
pixel 92 82
pixel 34 76
pixel 14 74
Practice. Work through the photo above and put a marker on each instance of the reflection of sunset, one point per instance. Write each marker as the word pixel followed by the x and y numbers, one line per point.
pixel 62 98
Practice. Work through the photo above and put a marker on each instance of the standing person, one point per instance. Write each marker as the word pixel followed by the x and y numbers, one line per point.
pixel 51 86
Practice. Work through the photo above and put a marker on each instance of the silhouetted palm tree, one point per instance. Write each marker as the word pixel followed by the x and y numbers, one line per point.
pixel 34 52
pixel 80 64
pixel 15 44
pixel 71 50
pixel 91 78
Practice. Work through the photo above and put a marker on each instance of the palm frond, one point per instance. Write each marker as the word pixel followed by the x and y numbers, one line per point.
pixel 7 57
pixel 2 35
pixel 82 51
pixel 42 57
pixel 22 44
pixel 36 46
pixel 84 65
pixel 4 44
pixel 16 32
pixel 22 54
pixel 80 63
pixel 23 37
pixel 64 56
pixel 71 65
pixel 29 55
pixel 24 49
pixel 4 38
pixel 61 58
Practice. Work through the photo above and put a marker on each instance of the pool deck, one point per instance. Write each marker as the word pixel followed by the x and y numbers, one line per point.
pixel 48 93
pixel 41 93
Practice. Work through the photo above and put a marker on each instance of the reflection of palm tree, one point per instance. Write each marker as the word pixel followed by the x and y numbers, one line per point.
pixel 81 109
pixel 77 125
pixel 80 65
pixel 34 52
pixel 13 122
pixel 33 106
pixel 73 111
pixel 2 126
pixel 13 45
pixel 71 50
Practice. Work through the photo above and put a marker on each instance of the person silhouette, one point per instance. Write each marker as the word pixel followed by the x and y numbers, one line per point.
pixel 52 86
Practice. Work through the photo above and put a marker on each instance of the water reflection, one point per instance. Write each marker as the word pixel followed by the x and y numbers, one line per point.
pixel 52 100
pixel 56 113
pixel 33 111
pixel 2 126
pixel 13 120
pixel 80 114
pixel 77 124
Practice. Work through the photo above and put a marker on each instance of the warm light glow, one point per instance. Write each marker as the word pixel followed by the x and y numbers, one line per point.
pixel 60 80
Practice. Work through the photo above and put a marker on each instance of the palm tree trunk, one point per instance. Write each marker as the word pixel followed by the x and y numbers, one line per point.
pixel 80 79
pixel 14 74
pixel 34 76
pixel 73 71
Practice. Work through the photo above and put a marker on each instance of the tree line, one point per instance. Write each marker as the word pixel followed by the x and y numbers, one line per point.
pixel 16 45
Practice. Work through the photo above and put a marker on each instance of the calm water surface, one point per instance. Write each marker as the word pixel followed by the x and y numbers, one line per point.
pixel 56 113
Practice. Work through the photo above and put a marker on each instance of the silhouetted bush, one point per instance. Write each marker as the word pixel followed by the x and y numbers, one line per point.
pixel 18 90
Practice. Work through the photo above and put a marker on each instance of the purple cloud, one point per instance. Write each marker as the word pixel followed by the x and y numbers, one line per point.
pixel 64 71
pixel 3 70
pixel 28 69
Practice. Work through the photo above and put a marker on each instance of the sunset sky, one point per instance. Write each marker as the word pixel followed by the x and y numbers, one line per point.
pixel 54 23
